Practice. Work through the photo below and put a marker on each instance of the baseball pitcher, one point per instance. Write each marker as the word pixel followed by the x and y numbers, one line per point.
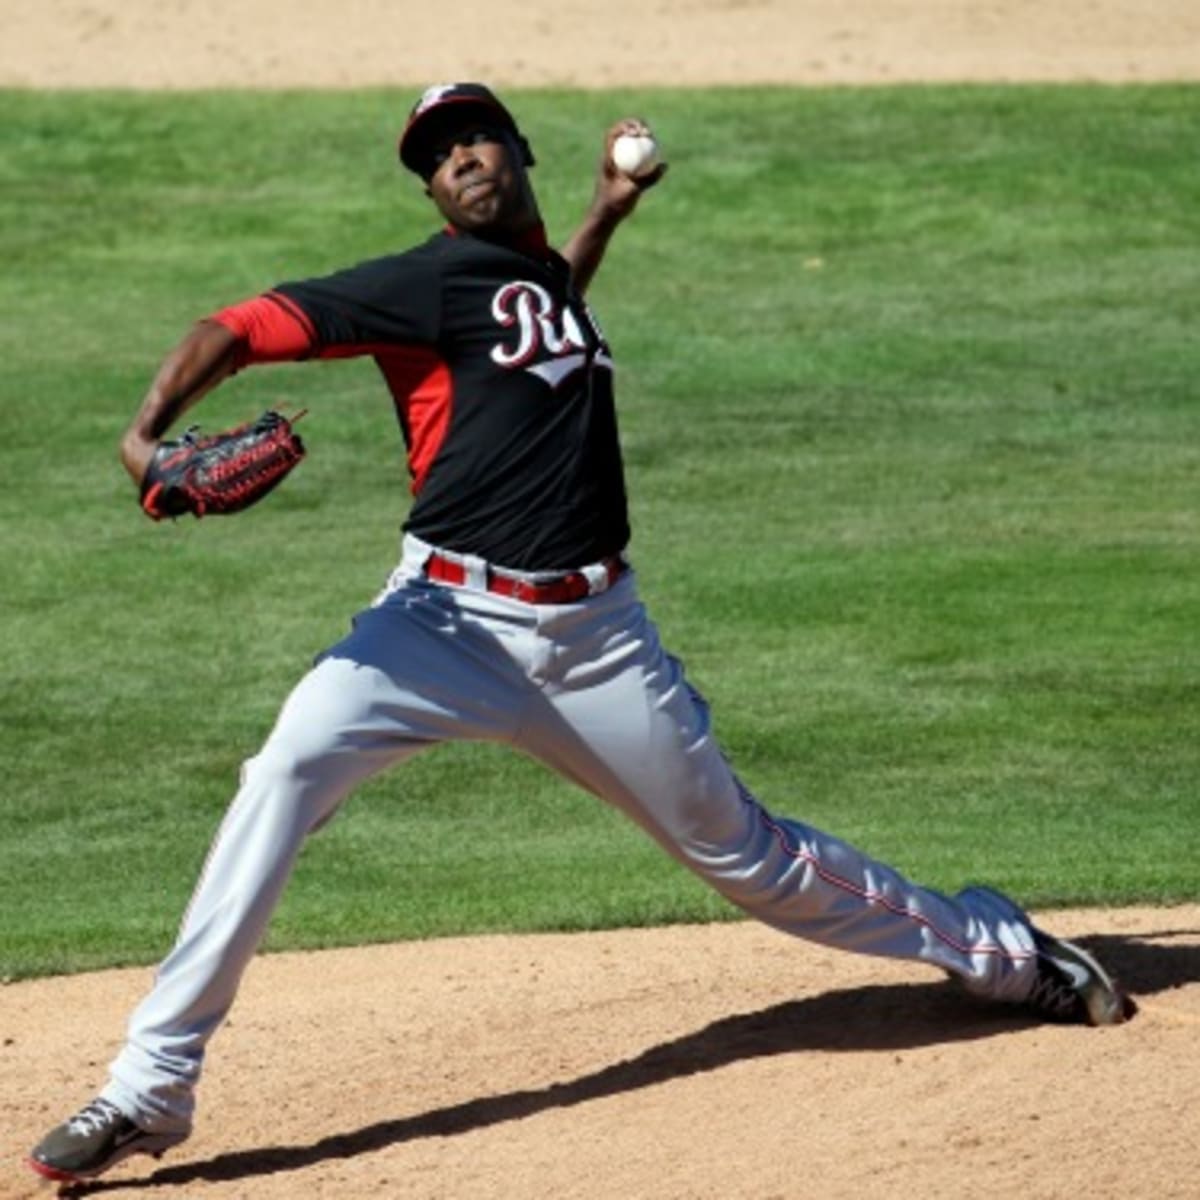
pixel 512 616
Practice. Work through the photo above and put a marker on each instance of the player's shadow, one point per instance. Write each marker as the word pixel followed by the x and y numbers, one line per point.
pixel 1148 963
pixel 883 1018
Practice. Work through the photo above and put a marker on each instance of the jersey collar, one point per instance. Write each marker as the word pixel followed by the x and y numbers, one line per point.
pixel 532 242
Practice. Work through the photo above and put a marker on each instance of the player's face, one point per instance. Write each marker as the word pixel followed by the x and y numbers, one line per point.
pixel 479 182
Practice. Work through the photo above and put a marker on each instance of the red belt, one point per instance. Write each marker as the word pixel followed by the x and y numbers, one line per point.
pixel 563 589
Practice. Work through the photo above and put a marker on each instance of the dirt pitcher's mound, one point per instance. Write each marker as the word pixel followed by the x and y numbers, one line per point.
pixel 719 1062
pixel 301 43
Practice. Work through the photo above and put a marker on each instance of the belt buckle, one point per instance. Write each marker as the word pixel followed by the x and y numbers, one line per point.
pixel 600 576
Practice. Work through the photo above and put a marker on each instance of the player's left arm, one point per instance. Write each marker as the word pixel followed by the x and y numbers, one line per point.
pixel 615 197
pixel 199 363
pixel 264 329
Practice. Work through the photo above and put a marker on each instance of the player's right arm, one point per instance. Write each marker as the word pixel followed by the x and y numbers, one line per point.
pixel 615 197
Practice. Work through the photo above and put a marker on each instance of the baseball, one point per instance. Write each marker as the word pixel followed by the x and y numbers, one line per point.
pixel 635 154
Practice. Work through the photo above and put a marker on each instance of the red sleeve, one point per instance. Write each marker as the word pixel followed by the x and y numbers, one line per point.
pixel 270 328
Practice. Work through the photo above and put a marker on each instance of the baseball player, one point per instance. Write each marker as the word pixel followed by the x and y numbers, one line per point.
pixel 512 616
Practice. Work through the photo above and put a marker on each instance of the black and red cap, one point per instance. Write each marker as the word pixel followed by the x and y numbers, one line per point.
pixel 444 106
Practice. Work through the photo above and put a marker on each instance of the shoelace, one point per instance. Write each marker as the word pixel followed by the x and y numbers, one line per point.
pixel 93 1117
pixel 1053 993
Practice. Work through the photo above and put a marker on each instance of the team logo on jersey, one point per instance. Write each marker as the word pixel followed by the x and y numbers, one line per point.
pixel 547 342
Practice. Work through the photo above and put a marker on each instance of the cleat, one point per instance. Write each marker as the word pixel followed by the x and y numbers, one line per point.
pixel 1070 985
pixel 97 1137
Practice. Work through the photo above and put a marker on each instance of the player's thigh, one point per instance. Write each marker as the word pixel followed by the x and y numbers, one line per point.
pixel 345 709
pixel 402 679
pixel 642 739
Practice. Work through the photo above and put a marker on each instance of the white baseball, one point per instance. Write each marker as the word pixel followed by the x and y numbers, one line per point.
pixel 635 154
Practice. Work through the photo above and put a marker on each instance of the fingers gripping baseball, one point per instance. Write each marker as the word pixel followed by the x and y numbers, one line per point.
pixel 631 164
pixel 633 151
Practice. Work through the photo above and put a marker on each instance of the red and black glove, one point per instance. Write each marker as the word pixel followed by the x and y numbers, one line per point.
pixel 223 472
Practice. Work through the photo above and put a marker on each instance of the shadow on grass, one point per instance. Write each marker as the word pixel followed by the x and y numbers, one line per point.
pixel 886 1018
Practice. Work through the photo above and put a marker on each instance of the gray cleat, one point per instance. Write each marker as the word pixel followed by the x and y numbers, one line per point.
pixel 1070 986
pixel 97 1137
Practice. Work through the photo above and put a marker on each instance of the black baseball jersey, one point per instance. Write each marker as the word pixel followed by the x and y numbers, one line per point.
pixel 502 382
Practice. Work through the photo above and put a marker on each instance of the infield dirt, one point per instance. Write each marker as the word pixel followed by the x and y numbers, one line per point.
pixel 720 1062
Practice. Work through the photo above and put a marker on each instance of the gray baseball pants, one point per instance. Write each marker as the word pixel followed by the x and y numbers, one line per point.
pixel 588 689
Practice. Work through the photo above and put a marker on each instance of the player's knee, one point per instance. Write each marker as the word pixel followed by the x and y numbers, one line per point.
pixel 710 816
pixel 289 773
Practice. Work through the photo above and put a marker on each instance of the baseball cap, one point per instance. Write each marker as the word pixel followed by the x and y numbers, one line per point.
pixel 439 107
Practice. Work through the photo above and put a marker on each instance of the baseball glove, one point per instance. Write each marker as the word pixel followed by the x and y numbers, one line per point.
pixel 223 472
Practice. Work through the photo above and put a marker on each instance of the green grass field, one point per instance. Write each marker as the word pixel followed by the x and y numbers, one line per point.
pixel 908 393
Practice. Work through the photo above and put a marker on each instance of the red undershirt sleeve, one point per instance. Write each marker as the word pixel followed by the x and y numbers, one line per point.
pixel 269 328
